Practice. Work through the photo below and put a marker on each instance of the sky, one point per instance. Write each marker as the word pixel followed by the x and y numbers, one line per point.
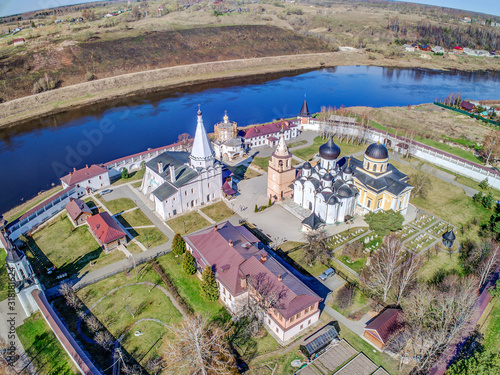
pixel 8 7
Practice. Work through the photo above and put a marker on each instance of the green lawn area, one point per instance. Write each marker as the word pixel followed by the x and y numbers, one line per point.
pixel 43 348
pixel 475 185
pixel 317 267
pixel 290 245
pixel 280 364
pixel 439 266
pixel 446 201
pixel 4 276
pixel 136 184
pixel 133 176
pixel 297 143
pixel 133 248
pixel 262 163
pixel 243 172
pixel 67 248
pixel 356 266
pixel 491 328
pixel 135 218
pixel 188 223
pixel 91 204
pixel 218 211
pixel 307 153
pixel 149 237
pixel 119 205
pixel 359 303
pixel 361 345
pixel 143 347
pixel 188 286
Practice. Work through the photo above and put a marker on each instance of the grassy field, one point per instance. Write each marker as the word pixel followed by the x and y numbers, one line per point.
pixel 297 143
pixel 188 286
pixel 307 153
pixel 218 211
pixel 133 176
pixel 118 205
pixel 4 276
pixel 149 237
pixel 439 266
pixel 290 245
pixel 41 345
pixel 261 163
pixel 491 328
pixel 135 218
pixel 359 303
pixel 317 267
pixel 356 265
pixel 188 223
pixel 71 250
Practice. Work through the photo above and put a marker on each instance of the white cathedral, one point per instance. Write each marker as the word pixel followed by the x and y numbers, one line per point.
pixel 178 181
pixel 325 189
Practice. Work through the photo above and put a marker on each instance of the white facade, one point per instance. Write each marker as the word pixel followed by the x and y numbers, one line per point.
pixel 253 139
pixel 286 335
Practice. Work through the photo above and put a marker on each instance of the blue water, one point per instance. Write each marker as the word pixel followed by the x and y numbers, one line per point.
pixel 34 155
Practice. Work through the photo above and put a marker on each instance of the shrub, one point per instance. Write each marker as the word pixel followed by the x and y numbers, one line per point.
pixel 345 296
pixel 353 250
pixel 178 245
pixel 44 84
pixel 89 76
pixel 125 174
pixel 188 263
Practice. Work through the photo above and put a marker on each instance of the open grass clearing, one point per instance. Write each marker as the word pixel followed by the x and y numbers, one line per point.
pixel 135 218
pixel 144 347
pixel 136 185
pixel 4 276
pixel 243 172
pixel 118 205
pixel 360 304
pixel 491 328
pixel 297 143
pixel 188 223
pixel 43 348
pixel 439 266
pixel 71 250
pixel 149 237
pixel 261 162
pixel 133 176
pixel 290 245
pixel 218 211
pixel 355 265
pixel 298 256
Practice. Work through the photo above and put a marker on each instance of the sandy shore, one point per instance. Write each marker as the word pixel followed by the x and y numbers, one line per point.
pixel 84 94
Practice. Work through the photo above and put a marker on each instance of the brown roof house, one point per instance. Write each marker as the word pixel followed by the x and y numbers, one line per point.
pixel 106 231
pixel 78 211
pixel 234 255
pixel 383 327
pixel 90 178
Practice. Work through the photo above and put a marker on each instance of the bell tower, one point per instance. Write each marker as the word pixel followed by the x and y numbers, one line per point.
pixel 280 173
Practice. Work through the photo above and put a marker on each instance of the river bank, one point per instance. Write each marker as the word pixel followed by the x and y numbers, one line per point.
pixel 85 94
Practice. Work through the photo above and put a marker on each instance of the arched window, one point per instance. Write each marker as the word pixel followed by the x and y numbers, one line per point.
pixel 374 167
pixel 367 166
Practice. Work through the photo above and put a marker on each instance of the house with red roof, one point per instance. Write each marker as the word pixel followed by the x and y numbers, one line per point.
pixel 268 134
pixel 383 327
pixel 106 231
pixel 233 253
pixel 469 107
pixel 18 41
pixel 87 179
pixel 78 211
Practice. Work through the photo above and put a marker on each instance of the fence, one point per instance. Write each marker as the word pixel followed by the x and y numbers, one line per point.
pixel 496 123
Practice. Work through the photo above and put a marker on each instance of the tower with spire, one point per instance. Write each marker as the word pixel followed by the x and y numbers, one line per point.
pixel 202 155
pixel 280 173
pixel 304 115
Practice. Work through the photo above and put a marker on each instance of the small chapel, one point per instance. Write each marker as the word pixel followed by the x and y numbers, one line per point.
pixel 179 181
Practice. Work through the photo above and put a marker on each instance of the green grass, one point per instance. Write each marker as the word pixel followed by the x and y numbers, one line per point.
pixel 290 245
pixel 188 286
pixel 356 266
pixel 307 153
pixel 4 276
pixel 361 345
pixel 218 211
pixel 135 218
pixel 119 205
pixel 468 155
pixel 133 248
pixel 297 143
pixel 242 172
pixel 41 345
pixel 491 328
pixel 439 266
pixel 67 248
pixel 133 176
pixel 149 237
pixel 317 267
pixel 191 222
pixel 359 303
pixel 261 163
pixel 136 184
pixel 144 347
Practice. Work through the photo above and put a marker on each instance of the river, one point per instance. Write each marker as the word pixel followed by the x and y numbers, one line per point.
pixel 35 154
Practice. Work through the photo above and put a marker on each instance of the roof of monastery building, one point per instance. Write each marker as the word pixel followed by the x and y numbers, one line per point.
pixel 105 227
pixel 265 129
pixel 232 253
pixel 79 175
pixel 75 207
pixel 202 149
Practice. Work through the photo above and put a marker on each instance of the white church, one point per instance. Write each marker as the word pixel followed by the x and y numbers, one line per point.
pixel 178 181
pixel 325 189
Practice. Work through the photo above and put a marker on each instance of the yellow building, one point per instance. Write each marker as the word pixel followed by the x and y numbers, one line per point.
pixel 381 186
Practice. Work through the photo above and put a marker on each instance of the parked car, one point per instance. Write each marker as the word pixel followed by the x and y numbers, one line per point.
pixel 106 191
pixel 325 275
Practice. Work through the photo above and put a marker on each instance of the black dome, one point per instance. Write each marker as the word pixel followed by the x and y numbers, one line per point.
pixel 328 177
pixel 306 165
pixel 377 151
pixel 450 235
pixel 348 170
pixel 329 150
pixel 344 191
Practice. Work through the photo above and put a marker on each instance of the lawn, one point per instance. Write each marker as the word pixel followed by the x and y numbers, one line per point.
pixel 491 328
pixel 359 303
pixel 290 245
pixel 465 154
pixel 307 153
pixel 218 211
pixel 275 365
pixel 149 237
pixel 43 348
pixel 135 218
pixel 261 163
pixel 91 204
pixel 317 267
pixel 143 348
pixel 297 143
pixel 119 205
pixel 69 249
pixel 188 223
pixel 4 276
pixel 136 185
pixel 188 286
pixel 446 201
pixel 133 248
pixel 439 266
pixel 475 185
pixel 356 265
pixel 133 176
pixel 243 172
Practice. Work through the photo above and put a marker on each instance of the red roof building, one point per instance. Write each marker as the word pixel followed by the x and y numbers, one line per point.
pixel 18 41
pixel 266 134
pixel 106 231
pixel 383 327
pixel 467 106
pixel 87 177
pixel 233 254
pixel 78 211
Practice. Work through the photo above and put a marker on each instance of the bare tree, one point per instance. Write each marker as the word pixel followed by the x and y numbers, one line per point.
pixel 197 346
pixel 8 357
pixel 93 323
pixel 316 249
pixel 70 296
pixel 421 184
pixel 491 145
pixel 488 264
pixel 184 140
pixel 381 274
pixel 407 275
pixel 104 339
pixel 65 289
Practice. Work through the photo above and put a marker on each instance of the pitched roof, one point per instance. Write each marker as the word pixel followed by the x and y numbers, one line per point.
pixel 468 106
pixel 76 207
pixel 105 227
pixel 304 111
pixel 233 261
pixel 83 174
pixel 226 188
pixel 386 323
pixel 202 149
pixel 265 129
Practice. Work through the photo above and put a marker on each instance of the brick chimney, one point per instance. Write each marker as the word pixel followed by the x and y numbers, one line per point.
pixel 263 257
pixel 280 277
pixel 160 167
pixel 74 169
pixel 216 228
pixel 230 243
pixel 243 282
pixel 171 168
